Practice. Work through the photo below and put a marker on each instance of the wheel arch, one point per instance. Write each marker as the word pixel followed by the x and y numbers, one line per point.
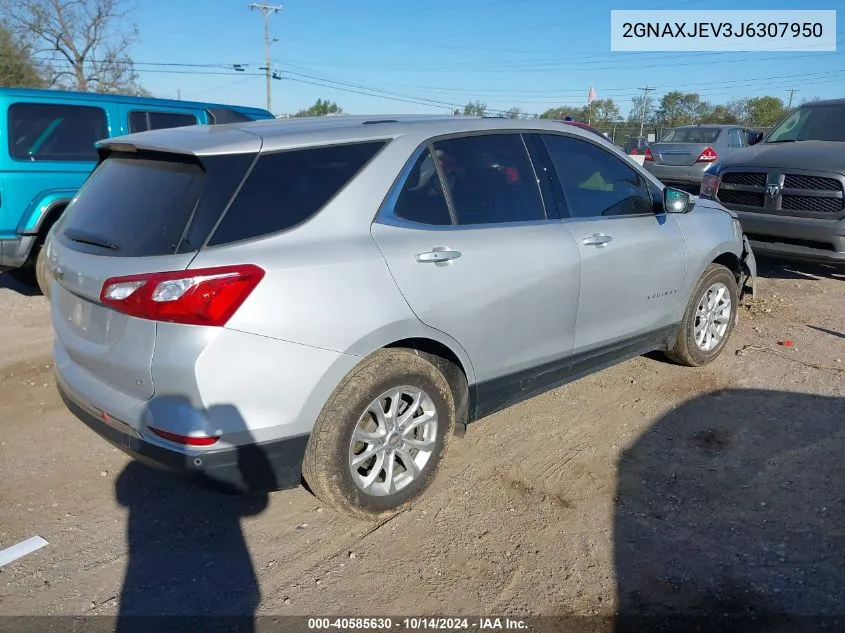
pixel 450 365
pixel 730 261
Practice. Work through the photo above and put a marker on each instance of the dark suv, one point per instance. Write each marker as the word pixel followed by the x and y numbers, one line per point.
pixel 789 190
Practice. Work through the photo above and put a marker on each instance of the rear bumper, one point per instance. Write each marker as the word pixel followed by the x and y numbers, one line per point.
pixel 801 239
pixel 275 465
pixel 686 174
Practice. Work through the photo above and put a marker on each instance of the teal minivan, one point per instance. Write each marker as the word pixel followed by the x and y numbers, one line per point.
pixel 47 150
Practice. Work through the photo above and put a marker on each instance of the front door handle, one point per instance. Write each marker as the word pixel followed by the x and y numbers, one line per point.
pixel 439 255
pixel 597 239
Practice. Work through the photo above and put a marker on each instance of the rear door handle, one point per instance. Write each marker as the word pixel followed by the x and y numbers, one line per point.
pixel 597 239
pixel 438 255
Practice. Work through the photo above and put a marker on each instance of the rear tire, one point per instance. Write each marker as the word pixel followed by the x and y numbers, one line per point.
pixel 353 449
pixel 41 274
pixel 709 319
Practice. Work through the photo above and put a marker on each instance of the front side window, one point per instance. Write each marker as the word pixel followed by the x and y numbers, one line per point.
pixel 595 182
pixel 51 132
pixel 141 121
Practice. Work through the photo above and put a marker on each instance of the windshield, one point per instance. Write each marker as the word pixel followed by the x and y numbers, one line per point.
pixel 811 123
pixel 692 135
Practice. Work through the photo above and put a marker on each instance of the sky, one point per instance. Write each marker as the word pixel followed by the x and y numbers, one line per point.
pixel 430 56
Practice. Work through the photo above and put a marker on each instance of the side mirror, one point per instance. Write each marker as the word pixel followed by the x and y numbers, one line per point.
pixel 676 201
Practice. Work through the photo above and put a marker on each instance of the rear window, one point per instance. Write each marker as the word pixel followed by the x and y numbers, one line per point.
pixel 45 131
pixel 140 121
pixel 286 188
pixel 692 135
pixel 134 207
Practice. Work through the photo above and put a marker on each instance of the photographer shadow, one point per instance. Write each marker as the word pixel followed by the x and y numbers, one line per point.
pixel 189 565
pixel 730 514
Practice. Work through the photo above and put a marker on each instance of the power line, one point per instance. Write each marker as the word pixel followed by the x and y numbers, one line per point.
pixel 381 93
pixel 267 11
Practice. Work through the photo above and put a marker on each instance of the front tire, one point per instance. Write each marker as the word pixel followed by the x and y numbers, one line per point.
pixel 380 438
pixel 709 318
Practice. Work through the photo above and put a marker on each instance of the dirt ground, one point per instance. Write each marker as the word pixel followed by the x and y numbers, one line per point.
pixel 647 488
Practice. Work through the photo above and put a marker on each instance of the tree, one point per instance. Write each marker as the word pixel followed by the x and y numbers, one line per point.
pixel 604 111
pixel 764 111
pixel 679 108
pixel 641 107
pixel 562 112
pixel 722 114
pixel 320 108
pixel 475 108
pixel 514 113
pixel 17 68
pixel 87 42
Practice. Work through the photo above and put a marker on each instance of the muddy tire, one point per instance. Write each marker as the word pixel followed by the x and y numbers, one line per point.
pixel 381 437
pixel 42 276
pixel 709 319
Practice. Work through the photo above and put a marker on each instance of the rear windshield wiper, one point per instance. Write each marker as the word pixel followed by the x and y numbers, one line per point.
pixel 783 140
pixel 88 238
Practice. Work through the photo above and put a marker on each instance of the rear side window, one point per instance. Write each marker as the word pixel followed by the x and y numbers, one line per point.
pixel 50 132
pixel 140 121
pixel 735 138
pixel 422 199
pixel 692 135
pixel 491 179
pixel 134 207
pixel 286 188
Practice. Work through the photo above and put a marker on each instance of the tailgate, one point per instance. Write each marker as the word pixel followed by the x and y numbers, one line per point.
pixel 677 153
pixel 114 348
pixel 138 213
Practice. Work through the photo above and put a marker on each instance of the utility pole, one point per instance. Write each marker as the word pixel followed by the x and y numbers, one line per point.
pixel 645 90
pixel 267 10
pixel 792 91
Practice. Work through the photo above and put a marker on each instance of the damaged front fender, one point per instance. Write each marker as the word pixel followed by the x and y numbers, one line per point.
pixel 749 270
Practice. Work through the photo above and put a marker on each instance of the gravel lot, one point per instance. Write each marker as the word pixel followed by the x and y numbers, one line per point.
pixel 647 488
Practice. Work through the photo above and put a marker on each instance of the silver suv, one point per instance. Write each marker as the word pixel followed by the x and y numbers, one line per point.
pixel 333 299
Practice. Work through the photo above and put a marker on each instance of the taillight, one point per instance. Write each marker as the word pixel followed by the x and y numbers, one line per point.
pixel 707 156
pixel 205 296
pixel 648 155
pixel 186 440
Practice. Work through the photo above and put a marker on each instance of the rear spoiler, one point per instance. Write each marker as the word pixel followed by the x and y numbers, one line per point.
pixel 105 149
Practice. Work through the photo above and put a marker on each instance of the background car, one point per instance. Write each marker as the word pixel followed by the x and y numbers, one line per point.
pixel 333 299
pixel 636 145
pixel 50 149
pixel 682 156
pixel 789 190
